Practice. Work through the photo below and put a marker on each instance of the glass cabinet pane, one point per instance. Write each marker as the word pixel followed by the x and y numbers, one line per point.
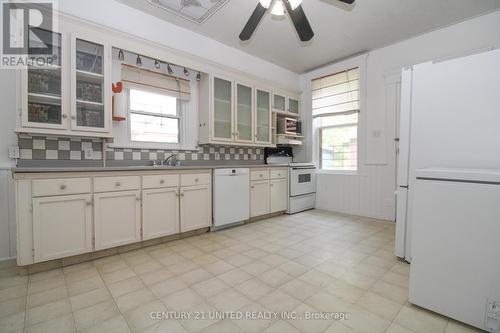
pixel 293 106
pixel 244 112
pixel 279 103
pixel 222 109
pixel 44 82
pixel 262 121
pixel 89 84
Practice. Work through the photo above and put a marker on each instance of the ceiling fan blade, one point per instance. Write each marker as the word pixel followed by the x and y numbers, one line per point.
pixel 350 2
pixel 253 22
pixel 300 22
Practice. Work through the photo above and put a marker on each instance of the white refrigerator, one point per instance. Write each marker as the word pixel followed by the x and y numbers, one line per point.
pixel 450 120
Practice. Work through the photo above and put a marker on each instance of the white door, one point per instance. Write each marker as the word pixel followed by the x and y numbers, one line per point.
pixel 195 207
pixel 278 194
pixel 117 218
pixel 259 198
pixel 62 226
pixel 160 212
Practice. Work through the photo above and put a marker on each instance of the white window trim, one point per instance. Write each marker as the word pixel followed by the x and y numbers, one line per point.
pixel 360 62
pixel 178 116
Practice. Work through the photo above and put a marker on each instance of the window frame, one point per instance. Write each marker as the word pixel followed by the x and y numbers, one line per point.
pixel 178 116
pixel 320 145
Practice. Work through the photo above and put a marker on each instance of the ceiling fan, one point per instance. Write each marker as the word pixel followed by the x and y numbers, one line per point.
pixel 278 8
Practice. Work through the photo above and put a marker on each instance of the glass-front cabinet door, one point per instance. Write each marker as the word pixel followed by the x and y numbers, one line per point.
pixel 90 85
pixel 222 110
pixel 263 117
pixel 279 103
pixel 43 102
pixel 293 105
pixel 244 107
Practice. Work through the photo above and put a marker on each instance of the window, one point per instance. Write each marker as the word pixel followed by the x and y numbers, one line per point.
pixel 154 117
pixel 335 108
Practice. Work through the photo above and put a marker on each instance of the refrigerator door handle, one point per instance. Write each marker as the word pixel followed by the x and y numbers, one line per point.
pixel 403 186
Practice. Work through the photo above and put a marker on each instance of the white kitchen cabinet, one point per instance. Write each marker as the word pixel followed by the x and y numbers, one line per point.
pixel 293 105
pixel 62 226
pixel 244 114
pixel 160 212
pixel 223 118
pixel 279 103
pixel 72 95
pixel 259 198
pixel 195 207
pixel 117 218
pixel 278 195
pixel 263 117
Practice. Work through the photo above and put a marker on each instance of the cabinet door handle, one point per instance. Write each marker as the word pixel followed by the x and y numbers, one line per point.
pixel 272 185
pixel 73 117
pixel 89 203
pixel 138 198
pixel 196 180
pixel 62 187
pixel 64 116
pixel 252 186
pixel 182 194
pixel 162 181
pixel 118 184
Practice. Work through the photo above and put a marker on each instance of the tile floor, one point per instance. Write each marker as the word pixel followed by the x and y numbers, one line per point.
pixel 311 262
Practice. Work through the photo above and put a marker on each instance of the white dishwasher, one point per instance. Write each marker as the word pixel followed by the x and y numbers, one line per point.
pixel 231 197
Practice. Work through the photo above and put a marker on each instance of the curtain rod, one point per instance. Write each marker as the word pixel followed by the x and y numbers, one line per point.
pixel 159 73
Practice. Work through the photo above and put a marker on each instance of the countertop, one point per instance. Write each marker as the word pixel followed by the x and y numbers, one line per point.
pixel 140 168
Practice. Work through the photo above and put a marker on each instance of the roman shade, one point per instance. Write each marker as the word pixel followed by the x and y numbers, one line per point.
pixel 139 77
pixel 336 94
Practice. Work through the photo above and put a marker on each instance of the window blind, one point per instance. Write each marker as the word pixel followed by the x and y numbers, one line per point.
pixel 336 94
pixel 139 77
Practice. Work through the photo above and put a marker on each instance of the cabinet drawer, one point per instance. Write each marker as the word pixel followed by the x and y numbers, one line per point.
pixel 260 174
pixel 109 184
pixel 160 181
pixel 63 186
pixel 278 173
pixel 195 179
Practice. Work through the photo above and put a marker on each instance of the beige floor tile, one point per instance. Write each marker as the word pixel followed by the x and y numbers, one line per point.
pixel 256 253
pixel 281 327
pixel 194 276
pixel 168 286
pixel 210 287
pixel 274 260
pixel 222 326
pixel 255 268
pixel 366 322
pixel 12 323
pixel 13 292
pixel 218 267
pixel 134 299
pixel 279 301
pixel 299 289
pixel 235 276
pixel 292 268
pixel 316 278
pixel 397 279
pixel 116 324
pixel 395 328
pixel 47 296
pixel 115 264
pixel 83 286
pixel 228 300
pixel 12 281
pixel 420 320
pixel 52 275
pixel 153 277
pixel 140 318
pixel 304 324
pixel 90 298
pixel 182 300
pixel 46 284
pixel 326 302
pixel 84 273
pixel 165 326
pixel 200 319
pixel 146 267
pixel 253 325
pixel 456 327
pixel 339 327
pixel 47 311
pixel 275 278
pixel 379 305
pixel 11 307
pixel 390 291
pixel 204 259
pixel 182 267
pixel 125 286
pixel 118 275
pixel 345 291
pixel 170 259
pixel 94 314
pixel 238 260
pixel 64 324
pixel 254 289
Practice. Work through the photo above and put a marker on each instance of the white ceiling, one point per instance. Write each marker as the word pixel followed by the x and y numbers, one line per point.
pixel 340 30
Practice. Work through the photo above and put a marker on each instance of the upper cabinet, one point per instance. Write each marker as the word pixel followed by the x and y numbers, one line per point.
pixel 233 113
pixel 72 96
pixel 286 105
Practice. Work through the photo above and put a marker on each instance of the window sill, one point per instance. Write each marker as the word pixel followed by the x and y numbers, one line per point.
pixel 338 172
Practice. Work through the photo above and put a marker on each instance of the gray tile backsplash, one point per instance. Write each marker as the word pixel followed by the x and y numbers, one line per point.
pixel 33 148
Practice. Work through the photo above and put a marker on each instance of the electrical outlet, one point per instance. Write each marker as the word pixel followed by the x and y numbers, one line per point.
pixel 89 154
pixel 492 320
pixel 14 152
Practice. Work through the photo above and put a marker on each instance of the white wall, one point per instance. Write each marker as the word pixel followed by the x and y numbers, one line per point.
pixel 370 192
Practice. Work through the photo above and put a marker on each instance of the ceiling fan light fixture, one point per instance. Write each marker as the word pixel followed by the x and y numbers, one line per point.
pixel 278 8
pixel 265 3
pixel 294 3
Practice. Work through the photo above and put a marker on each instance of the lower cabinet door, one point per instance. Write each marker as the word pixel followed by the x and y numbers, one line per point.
pixel 279 195
pixel 259 198
pixel 160 212
pixel 196 207
pixel 117 218
pixel 62 226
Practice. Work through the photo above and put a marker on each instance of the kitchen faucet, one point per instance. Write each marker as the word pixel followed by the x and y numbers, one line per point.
pixel 170 160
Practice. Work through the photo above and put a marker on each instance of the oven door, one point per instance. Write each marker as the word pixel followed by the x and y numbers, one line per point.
pixel 302 180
